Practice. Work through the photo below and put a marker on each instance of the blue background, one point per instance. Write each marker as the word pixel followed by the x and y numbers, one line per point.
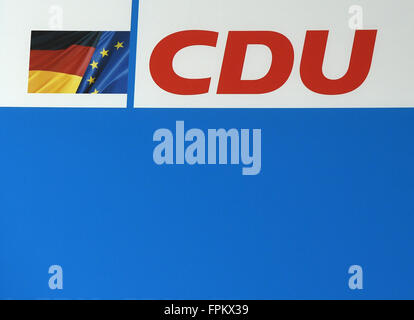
pixel 79 188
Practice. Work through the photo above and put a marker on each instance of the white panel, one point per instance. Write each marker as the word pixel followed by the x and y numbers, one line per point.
pixel 20 17
pixel 389 83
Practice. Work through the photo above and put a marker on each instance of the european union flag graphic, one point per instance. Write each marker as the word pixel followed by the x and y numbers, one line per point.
pixel 108 70
pixel 79 62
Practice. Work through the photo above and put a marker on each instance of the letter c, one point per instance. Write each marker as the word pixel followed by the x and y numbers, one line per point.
pixel 161 62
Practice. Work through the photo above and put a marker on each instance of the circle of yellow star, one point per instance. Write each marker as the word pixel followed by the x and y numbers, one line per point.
pixel 95 92
pixel 119 45
pixel 104 53
pixel 94 65
pixel 91 80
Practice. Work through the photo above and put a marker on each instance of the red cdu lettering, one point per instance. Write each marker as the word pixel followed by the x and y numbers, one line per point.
pixel 231 73
pixel 161 62
pixel 359 66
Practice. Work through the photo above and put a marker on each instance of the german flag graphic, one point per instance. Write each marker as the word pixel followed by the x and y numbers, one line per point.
pixel 61 60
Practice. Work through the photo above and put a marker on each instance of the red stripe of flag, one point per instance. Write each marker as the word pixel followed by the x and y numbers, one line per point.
pixel 73 60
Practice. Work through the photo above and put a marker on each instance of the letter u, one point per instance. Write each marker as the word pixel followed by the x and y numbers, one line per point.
pixel 359 66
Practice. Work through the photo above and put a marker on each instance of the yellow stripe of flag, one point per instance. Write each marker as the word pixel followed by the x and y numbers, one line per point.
pixel 53 82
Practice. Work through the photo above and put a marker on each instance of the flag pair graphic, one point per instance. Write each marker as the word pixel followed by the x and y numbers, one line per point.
pixel 79 62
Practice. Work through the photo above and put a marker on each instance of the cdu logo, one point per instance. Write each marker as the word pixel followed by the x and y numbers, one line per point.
pixel 282 60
